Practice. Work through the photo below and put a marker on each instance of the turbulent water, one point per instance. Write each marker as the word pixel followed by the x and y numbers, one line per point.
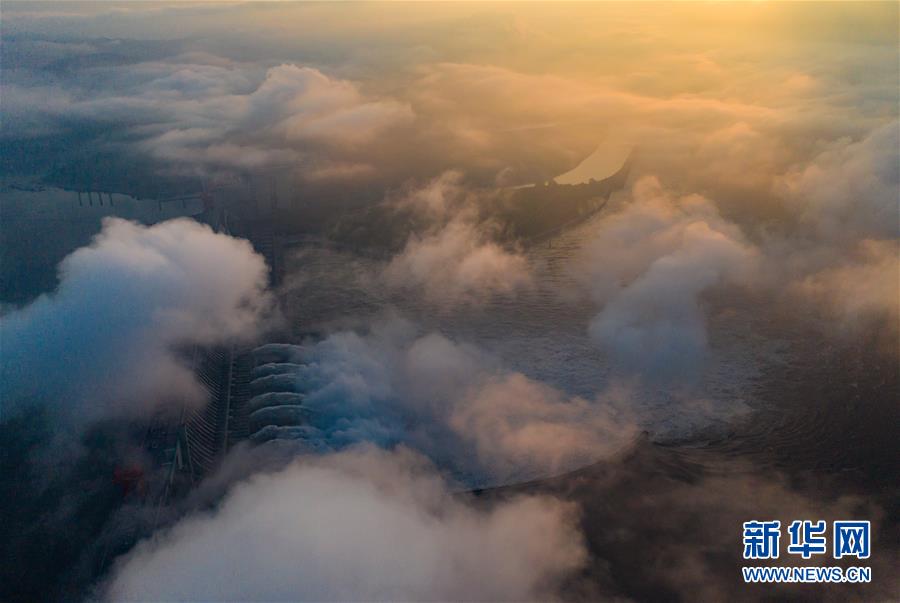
pixel 776 390
pixel 541 331
pixel 793 420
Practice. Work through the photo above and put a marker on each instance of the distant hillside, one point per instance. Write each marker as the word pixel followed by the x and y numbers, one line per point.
pixel 514 216
pixel 534 213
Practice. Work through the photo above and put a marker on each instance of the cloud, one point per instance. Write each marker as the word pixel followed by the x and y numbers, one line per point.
pixel 724 120
pixel 790 147
pixel 302 103
pixel 360 525
pixel 543 124
pixel 850 189
pixel 450 257
pixel 457 265
pixel 438 201
pixel 521 428
pixel 648 265
pixel 206 116
pixel 834 249
pixel 454 403
pixel 110 341
pixel 86 368
pixel 843 253
pixel 861 290
pixel 290 112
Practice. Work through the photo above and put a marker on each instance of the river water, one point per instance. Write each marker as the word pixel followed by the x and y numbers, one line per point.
pixel 795 421
pixel 41 225
pixel 542 332
pixel 776 388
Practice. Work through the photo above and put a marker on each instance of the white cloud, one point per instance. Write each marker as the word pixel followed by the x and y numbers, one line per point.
pixel 453 259
pixel 203 116
pixel 647 267
pixel 105 343
pixel 362 525
pixel 457 265
pixel 521 428
pixel 862 289
pixel 850 190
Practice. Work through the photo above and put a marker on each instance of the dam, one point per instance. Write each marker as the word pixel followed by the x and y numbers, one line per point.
pixel 253 391
pixel 254 394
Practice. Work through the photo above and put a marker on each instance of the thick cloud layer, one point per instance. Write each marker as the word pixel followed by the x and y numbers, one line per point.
pixel 199 115
pixel 115 338
pixel 359 526
pixel 292 108
pixel 748 95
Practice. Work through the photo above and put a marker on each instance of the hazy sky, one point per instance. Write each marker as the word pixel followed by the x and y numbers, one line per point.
pixel 724 97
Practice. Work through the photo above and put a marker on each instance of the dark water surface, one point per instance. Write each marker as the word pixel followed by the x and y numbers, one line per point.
pixel 797 423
